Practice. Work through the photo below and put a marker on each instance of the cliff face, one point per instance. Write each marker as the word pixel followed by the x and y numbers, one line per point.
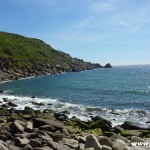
pixel 22 57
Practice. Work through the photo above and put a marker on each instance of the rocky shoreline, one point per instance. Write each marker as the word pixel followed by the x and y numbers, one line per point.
pixel 31 129
pixel 7 73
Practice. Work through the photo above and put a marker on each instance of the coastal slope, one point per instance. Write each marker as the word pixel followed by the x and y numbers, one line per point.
pixel 21 56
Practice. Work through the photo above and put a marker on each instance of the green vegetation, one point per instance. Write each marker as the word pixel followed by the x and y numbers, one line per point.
pixel 22 52
pixel 19 52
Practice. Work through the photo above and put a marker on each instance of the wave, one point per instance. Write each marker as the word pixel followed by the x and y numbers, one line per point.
pixel 83 112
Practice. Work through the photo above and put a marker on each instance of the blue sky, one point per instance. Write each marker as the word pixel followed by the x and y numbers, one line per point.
pixel 115 31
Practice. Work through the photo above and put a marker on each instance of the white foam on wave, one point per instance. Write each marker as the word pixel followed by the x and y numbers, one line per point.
pixel 83 112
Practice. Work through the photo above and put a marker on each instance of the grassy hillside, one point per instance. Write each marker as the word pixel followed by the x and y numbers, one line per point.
pixel 19 51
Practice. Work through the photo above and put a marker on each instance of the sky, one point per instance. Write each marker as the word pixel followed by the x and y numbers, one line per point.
pixel 99 31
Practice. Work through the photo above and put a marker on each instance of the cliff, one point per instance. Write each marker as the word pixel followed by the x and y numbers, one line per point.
pixel 21 56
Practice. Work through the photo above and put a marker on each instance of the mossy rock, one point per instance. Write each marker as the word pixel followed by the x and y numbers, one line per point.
pixel 14 115
pixel 127 133
pixel 101 124
pixel 27 117
pixel 97 131
pixel 83 125
pixel 70 123
pixel 3 111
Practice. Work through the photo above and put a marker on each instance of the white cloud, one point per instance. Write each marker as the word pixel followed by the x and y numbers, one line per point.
pixel 104 5
pixel 123 23
pixel 138 27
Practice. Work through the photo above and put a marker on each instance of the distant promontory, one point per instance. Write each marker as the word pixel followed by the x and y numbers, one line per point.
pixel 22 57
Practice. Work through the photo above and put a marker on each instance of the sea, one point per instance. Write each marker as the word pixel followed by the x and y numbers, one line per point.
pixel 119 94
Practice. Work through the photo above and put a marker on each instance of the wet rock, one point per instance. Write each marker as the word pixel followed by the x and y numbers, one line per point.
pixel 5 99
pixel 119 145
pixel 38 103
pixel 5 105
pixel 33 96
pixel 1 91
pixel 82 125
pixel 60 116
pixel 100 122
pixel 92 142
pixel 12 104
pixel 134 126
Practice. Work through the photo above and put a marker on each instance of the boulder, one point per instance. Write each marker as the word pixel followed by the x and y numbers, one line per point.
pixel 1 91
pixel 27 147
pixel 60 116
pixel 38 103
pixel 104 147
pixel 21 142
pixel 117 136
pixel 37 122
pixel 12 104
pixel 47 128
pixel 2 121
pixel 3 137
pixel 103 140
pixel 137 139
pixel 97 131
pixel 81 146
pixel 127 133
pixel 13 147
pixel 7 134
pixel 119 145
pixel 16 127
pixel 100 122
pixel 135 126
pixel 35 143
pixel 29 127
pixel 70 142
pixel 3 145
pixel 92 142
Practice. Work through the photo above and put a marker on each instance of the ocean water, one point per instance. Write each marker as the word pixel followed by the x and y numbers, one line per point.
pixel 118 94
